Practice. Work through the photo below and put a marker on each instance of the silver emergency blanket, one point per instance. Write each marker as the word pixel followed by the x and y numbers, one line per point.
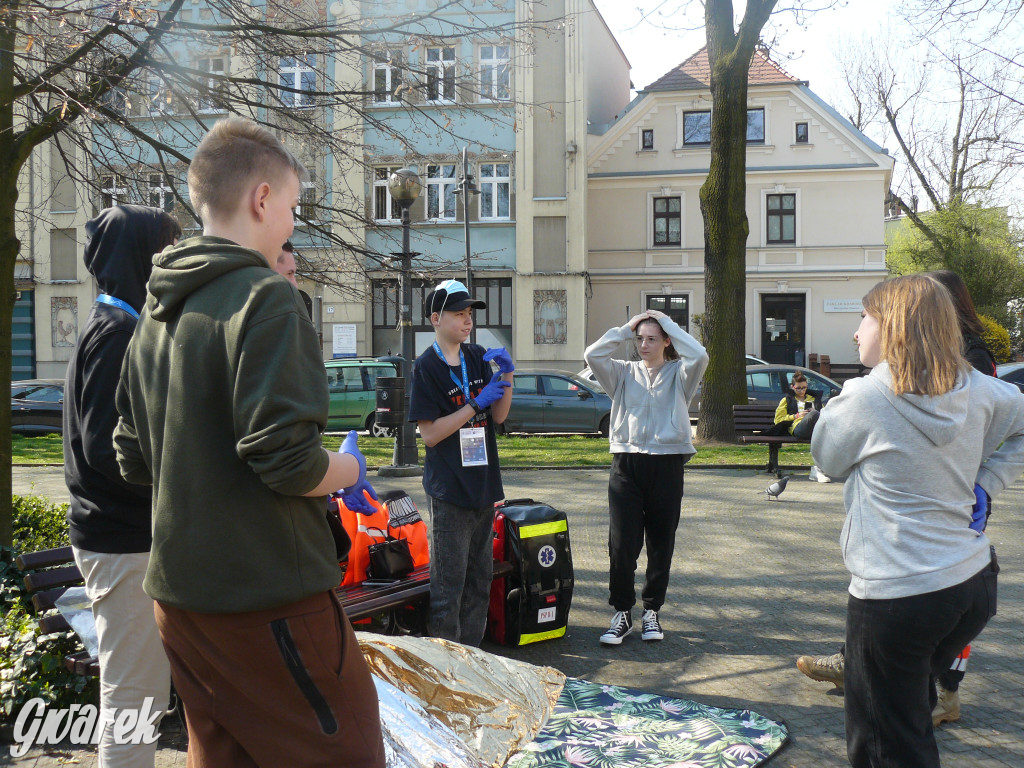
pixel 494 705
pixel 415 739
pixel 76 608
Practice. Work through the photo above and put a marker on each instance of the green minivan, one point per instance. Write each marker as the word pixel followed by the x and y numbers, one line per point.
pixel 352 384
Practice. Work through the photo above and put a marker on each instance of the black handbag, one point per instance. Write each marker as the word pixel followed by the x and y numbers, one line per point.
pixel 390 559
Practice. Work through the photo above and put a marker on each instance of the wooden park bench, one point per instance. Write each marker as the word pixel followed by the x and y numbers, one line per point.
pixel 52 571
pixel 754 419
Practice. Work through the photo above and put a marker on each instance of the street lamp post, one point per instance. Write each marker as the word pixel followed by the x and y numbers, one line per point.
pixel 466 187
pixel 404 185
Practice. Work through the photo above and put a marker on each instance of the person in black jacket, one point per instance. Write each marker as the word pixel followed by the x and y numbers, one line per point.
pixel 109 517
pixel 977 354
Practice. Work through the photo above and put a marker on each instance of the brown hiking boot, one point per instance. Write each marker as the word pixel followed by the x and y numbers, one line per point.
pixel 947 708
pixel 827 669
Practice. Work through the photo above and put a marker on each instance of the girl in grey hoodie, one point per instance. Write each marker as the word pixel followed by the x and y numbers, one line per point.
pixel 649 436
pixel 924 443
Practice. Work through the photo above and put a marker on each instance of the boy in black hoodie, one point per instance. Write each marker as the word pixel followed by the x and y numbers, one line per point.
pixel 108 516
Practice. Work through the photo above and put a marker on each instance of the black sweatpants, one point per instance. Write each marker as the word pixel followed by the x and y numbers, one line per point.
pixel 644 497
pixel 894 650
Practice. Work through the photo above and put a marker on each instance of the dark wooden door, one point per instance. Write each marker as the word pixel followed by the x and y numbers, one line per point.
pixel 783 318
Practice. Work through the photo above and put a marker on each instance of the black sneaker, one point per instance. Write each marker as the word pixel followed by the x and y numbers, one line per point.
pixel 650 626
pixel 622 625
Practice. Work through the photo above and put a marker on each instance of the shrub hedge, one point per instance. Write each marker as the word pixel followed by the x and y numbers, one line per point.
pixel 32 665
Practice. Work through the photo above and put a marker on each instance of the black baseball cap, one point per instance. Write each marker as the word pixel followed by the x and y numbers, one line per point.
pixel 450 295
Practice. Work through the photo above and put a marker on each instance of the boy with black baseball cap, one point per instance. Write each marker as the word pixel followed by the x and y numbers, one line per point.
pixel 456 401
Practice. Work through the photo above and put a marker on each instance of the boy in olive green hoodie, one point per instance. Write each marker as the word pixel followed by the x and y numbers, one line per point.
pixel 222 403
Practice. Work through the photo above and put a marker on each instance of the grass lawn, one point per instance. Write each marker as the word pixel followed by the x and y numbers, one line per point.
pixel 582 451
pixel 37 449
pixel 515 451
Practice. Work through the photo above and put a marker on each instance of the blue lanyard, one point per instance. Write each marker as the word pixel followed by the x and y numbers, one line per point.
pixel 116 302
pixel 462 362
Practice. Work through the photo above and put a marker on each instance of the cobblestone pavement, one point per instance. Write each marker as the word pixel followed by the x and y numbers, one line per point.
pixel 755 584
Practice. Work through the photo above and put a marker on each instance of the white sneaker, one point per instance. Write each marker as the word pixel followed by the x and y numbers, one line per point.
pixel 821 477
pixel 813 474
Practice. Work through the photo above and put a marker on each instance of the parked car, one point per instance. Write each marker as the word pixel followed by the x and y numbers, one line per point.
pixel 556 401
pixel 769 384
pixel 1013 373
pixel 588 375
pixel 352 384
pixel 37 406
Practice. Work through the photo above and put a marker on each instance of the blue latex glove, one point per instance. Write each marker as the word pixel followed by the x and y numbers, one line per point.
pixel 353 494
pixel 981 510
pixel 493 392
pixel 500 356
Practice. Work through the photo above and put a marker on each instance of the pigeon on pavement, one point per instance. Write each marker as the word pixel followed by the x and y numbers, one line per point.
pixel 775 490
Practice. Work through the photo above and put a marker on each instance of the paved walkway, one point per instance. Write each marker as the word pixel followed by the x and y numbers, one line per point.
pixel 755 584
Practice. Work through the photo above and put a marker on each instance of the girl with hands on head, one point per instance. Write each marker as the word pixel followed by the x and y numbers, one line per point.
pixel 650 439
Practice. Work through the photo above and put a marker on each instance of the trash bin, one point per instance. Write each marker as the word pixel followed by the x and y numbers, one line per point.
pixel 390 401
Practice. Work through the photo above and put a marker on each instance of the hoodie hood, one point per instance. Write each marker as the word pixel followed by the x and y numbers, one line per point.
pixel 938 417
pixel 180 271
pixel 119 249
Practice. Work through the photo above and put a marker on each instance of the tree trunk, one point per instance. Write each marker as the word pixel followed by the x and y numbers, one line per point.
pixel 723 206
pixel 9 248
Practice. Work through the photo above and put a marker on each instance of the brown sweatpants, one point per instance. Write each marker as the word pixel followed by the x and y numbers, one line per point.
pixel 284 687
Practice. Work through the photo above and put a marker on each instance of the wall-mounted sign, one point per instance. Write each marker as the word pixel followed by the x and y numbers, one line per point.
pixel 344 340
pixel 843 305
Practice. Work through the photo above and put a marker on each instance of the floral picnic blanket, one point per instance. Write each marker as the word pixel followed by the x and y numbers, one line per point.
pixel 606 726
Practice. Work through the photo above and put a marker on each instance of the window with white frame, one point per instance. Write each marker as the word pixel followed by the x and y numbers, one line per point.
pixel 667 221
pixel 297 72
pixel 441 192
pixel 440 66
pixel 160 194
pixel 780 227
pixel 113 190
pixel 755 125
pixel 385 207
pixel 697 127
pixel 495 190
pixel 387 77
pixel 211 89
pixel 676 306
pixel 156 97
pixel 307 207
pixel 495 72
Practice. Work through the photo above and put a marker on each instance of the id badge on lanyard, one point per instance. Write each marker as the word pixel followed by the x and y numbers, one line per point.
pixel 472 440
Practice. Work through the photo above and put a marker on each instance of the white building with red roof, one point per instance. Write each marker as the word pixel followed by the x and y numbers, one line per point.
pixel 816 190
